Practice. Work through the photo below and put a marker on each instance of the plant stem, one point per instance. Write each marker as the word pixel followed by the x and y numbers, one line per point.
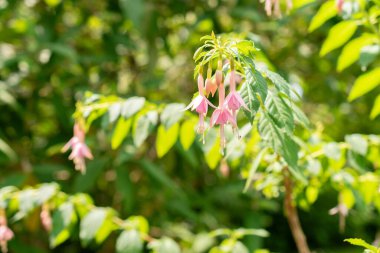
pixel 292 216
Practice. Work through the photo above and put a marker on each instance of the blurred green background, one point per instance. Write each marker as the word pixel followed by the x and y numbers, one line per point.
pixel 52 51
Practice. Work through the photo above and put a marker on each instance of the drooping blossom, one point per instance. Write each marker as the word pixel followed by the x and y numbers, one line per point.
pixel 80 151
pixel 6 234
pixel 221 116
pixel 46 218
pixel 211 86
pixel 233 100
pixel 200 104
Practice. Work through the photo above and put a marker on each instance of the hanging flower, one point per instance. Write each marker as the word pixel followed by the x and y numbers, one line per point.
pixel 6 234
pixel 46 218
pixel 211 87
pixel 234 100
pixel 80 151
pixel 339 5
pixel 200 104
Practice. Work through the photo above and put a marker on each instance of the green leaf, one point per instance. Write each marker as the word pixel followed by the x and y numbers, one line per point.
pixel 239 248
pixel 253 169
pixel 166 138
pixel 376 108
pixel 134 10
pixel 281 143
pixel 338 35
pixel 132 106
pixel 365 83
pixel 64 219
pixel 279 82
pixel 332 150
pixel 362 243
pixel 171 114
pixel 212 149
pixel 143 125
pixel 357 143
pixel 114 112
pixel 120 132
pixel 187 133
pixel 368 54
pixel 164 245
pixel 255 85
pixel 280 111
pixel 351 51
pixel 85 182
pixel 129 242
pixel 327 11
pixel 96 225
pixel 140 223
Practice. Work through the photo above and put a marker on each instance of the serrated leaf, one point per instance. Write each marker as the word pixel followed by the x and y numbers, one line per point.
pixel 255 85
pixel 129 242
pixel 187 133
pixel 338 35
pixel 365 83
pixel 376 108
pixel 351 51
pixel 362 243
pixel 171 114
pixel 131 106
pixel 281 143
pixel 327 11
pixel 64 218
pixel 120 132
pixel 279 82
pixel 280 111
pixel 166 138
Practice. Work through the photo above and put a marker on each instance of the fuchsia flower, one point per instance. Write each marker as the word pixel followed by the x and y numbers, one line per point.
pixel 80 151
pixel 339 5
pixel 46 218
pixel 211 87
pixel 6 234
pixel 200 104
pixel 234 100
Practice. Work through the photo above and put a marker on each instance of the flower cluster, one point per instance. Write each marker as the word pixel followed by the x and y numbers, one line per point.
pixel 6 234
pixel 80 151
pixel 226 111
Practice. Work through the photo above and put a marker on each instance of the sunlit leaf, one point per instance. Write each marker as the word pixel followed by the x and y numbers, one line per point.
pixel 365 83
pixel 166 138
pixel 351 52
pixel 327 11
pixel 187 133
pixel 64 218
pixel 376 108
pixel 95 226
pixel 129 242
pixel 120 132
pixel 338 35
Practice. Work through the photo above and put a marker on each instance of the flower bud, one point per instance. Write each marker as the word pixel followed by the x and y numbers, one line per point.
pixel 211 86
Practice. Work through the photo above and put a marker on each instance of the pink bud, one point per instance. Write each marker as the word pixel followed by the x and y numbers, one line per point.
pixel 6 234
pixel 211 87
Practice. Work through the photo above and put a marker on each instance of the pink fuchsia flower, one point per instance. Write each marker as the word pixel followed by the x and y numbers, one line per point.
pixel 46 218
pixel 339 5
pixel 6 234
pixel 80 151
pixel 211 86
pixel 200 104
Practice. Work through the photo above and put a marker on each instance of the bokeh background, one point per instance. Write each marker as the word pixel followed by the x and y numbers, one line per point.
pixel 52 51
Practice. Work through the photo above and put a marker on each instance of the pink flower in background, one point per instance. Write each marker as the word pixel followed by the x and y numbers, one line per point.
pixel 46 218
pixel 339 5
pixel 80 151
pixel 6 234
pixel 273 6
